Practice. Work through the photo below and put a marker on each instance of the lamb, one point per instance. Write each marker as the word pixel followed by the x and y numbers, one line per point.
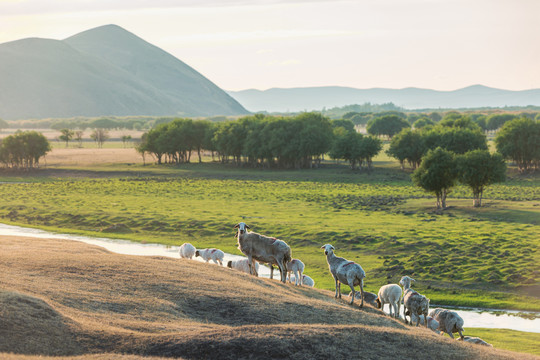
pixel 432 323
pixel 306 280
pixel 241 265
pixel 413 302
pixel 297 267
pixel 215 255
pixel 449 322
pixel 187 251
pixel 345 271
pixel 369 297
pixel 390 294
pixel 476 340
pixel 263 249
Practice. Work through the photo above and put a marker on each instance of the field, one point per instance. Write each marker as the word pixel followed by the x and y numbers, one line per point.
pixel 484 257
pixel 72 300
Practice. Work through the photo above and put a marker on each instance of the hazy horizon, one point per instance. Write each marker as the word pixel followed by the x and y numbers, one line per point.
pixel 238 45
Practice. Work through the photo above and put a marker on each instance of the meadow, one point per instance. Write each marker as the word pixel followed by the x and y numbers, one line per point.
pixel 485 257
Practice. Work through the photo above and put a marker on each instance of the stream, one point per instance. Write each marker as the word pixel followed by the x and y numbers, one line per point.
pixel 472 317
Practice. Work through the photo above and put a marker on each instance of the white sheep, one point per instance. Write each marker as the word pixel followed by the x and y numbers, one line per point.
pixel 297 267
pixel 306 280
pixel 449 321
pixel 369 297
pixel 432 323
pixel 390 294
pixel 213 254
pixel 413 302
pixel 241 265
pixel 345 271
pixel 187 251
pixel 476 340
pixel 263 249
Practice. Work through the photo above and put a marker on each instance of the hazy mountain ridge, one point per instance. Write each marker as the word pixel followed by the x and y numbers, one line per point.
pixel 317 98
pixel 102 71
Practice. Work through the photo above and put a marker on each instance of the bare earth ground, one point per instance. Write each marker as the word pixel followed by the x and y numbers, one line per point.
pixel 70 299
pixel 91 156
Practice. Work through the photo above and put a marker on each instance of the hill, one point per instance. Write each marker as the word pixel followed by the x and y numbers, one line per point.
pixel 317 98
pixel 64 298
pixel 102 71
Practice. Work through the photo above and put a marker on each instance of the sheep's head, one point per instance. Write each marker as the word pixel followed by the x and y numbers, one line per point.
pixel 197 253
pixel 229 264
pixel 327 249
pixel 406 281
pixel 241 228
pixel 379 305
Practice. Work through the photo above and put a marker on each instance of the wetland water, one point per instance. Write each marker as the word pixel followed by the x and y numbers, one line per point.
pixel 472 317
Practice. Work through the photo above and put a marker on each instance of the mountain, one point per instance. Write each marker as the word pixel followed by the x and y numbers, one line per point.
pixel 103 71
pixel 317 98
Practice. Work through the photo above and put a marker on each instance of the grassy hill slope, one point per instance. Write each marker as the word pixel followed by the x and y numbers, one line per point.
pixel 64 298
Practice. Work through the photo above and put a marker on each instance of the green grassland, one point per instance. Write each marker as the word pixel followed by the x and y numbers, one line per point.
pixel 484 257
pixel 513 340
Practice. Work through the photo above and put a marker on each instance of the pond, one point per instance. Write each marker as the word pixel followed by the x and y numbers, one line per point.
pixel 472 317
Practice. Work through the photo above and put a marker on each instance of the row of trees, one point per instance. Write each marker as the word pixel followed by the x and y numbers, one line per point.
pixel 23 150
pixel 282 142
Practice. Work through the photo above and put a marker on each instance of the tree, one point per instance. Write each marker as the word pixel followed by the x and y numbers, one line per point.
pixel 437 173
pixel 388 125
pixel 423 122
pixel 347 124
pixel 79 136
pixel 104 123
pixel 23 149
pixel 3 124
pixel 496 121
pixel 519 141
pixel 456 139
pixel 407 146
pixel 66 135
pixel 126 139
pixel 100 136
pixel 478 169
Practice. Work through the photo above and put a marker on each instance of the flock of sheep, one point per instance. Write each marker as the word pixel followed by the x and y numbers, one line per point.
pixel 272 251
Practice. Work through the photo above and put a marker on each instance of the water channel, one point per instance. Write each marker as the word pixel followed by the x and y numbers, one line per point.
pixel 472 317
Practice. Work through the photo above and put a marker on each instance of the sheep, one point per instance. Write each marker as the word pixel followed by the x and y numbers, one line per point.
pixel 264 249
pixel 241 265
pixel 306 280
pixel 215 255
pixel 369 297
pixel 449 322
pixel 187 251
pixel 390 294
pixel 297 267
pixel 476 340
pixel 413 302
pixel 345 271
pixel 432 323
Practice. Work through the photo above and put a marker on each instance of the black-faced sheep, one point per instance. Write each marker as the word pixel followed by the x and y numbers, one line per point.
pixel 345 271
pixel 215 255
pixel 263 249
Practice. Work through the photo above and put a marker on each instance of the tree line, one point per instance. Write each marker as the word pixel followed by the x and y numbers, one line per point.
pixel 23 150
pixel 261 141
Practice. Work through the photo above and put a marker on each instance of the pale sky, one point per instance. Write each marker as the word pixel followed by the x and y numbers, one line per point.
pixel 261 44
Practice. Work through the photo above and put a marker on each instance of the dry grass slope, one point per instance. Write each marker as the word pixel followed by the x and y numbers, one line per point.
pixel 69 299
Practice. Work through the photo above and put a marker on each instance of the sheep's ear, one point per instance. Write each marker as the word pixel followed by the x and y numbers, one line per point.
pixel 236 226
pixel 247 227
pixel 322 247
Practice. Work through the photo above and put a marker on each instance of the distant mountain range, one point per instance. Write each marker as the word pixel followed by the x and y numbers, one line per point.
pixel 102 71
pixel 317 98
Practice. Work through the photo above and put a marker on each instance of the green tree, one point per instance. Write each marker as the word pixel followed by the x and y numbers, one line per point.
pixel 346 124
pixel 437 173
pixel 126 139
pixel 496 121
pixel 99 136
pixel 23 149
pixel 104 123
pixel 423 122
pixel 388 125
pixel 79 137
pixel 407 146
pixel 519 141
pixel 66 135
pixel 478 169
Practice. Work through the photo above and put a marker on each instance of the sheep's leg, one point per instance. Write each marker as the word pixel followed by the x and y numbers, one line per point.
pixel 352 293
pixel 271 270
pixel 339 289
pixel 461 334
pixel 362 292
pixel 282 271
pixel 220 262
pixel 301 278
pixel 398 309
pixel 336 286
pixel 390 309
